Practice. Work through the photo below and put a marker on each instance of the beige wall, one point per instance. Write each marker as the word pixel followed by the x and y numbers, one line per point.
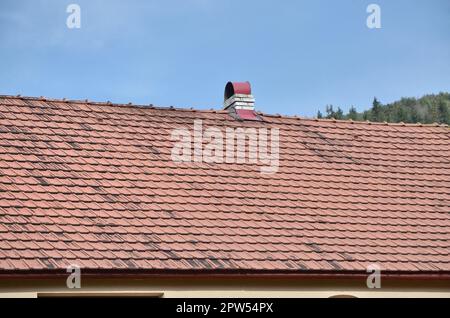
pixel 226 288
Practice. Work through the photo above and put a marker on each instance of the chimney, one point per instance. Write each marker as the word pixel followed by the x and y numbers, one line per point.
pixel 239 96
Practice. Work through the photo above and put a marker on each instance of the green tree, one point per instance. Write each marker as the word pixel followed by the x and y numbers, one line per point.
pixel 443 112
pixel 415 116
pixel 329 111
pixel 352 113
pixel 339 114
pixel 366 116
pixel 401 115
pixel 377 111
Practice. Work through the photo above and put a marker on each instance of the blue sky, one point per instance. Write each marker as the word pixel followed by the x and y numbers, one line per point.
pixel 298 55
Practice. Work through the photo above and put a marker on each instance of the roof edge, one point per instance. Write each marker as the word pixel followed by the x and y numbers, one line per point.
pixel 224 274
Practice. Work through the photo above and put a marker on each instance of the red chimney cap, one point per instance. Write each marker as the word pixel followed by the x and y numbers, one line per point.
pixel 234 88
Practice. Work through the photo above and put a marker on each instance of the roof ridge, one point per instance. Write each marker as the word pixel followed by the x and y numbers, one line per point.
pixel 350 121
pixel 109 103
pixel 216 111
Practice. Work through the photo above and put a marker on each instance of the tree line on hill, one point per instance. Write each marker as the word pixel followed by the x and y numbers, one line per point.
pixel 428 109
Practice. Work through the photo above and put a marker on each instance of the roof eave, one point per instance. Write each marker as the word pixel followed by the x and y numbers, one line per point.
pixel 224 274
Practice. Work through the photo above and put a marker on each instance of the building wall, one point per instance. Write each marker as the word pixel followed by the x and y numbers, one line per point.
pixel 224 288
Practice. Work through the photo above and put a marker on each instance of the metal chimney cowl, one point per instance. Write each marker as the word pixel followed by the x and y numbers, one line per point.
pixel 239 101
pixel 239 96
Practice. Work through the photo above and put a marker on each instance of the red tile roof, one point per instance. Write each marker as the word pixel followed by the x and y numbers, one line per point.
pixel 93 184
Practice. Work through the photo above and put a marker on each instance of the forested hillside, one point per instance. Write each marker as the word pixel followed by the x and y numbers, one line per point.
pixel 427 110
